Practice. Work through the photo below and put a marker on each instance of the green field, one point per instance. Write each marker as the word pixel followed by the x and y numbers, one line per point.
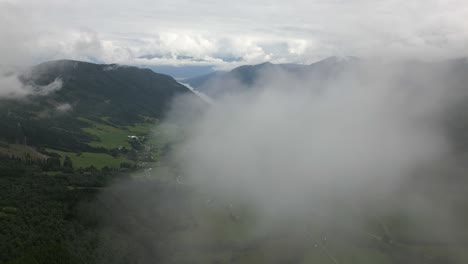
pixel 112 136
pixel 108 136
pixel 219 239
pixel 87 159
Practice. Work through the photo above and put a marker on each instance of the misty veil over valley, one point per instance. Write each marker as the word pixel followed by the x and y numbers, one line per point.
pixel 308 132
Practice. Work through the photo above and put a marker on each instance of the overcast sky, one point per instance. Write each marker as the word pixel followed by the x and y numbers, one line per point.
pixel 229 33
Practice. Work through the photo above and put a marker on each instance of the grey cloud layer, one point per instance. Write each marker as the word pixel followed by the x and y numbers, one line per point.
pixel 205 32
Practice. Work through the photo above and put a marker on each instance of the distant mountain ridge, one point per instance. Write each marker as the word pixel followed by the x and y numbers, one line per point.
pixel 219 83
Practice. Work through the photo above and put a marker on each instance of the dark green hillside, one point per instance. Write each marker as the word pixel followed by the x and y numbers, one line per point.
pixel 123 93
pixel 113 95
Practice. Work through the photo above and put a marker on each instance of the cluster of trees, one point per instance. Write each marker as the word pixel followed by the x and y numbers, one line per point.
pixel 11 165
pixel 39 221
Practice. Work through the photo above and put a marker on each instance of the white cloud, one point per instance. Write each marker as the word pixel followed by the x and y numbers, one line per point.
pixel 219 32
pixel 292 143
pixel 64 107
pixel 12 88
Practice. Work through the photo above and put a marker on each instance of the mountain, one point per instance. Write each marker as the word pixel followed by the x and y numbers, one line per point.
pixel 201 80
pixel 181 72
pixel 88 96
pixel 122 93
pixel 243 78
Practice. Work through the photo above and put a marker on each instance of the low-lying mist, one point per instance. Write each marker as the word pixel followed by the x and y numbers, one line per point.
pixel 292 165
pixel 13 87
pixel 289 143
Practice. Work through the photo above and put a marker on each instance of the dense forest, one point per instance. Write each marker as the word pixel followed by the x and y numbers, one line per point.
pixel 39 217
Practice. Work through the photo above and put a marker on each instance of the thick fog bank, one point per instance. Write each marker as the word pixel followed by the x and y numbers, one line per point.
pixel 291 142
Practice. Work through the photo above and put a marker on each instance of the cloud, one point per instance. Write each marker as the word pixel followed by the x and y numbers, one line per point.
pixel 205 32
pixel 16 34
pixel 295 141
pixel 11 87
pixel 64 107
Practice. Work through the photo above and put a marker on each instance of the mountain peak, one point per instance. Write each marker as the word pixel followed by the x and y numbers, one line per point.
pixel 337 60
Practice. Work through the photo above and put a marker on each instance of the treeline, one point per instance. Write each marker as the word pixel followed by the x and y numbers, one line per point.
pixel 12 166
